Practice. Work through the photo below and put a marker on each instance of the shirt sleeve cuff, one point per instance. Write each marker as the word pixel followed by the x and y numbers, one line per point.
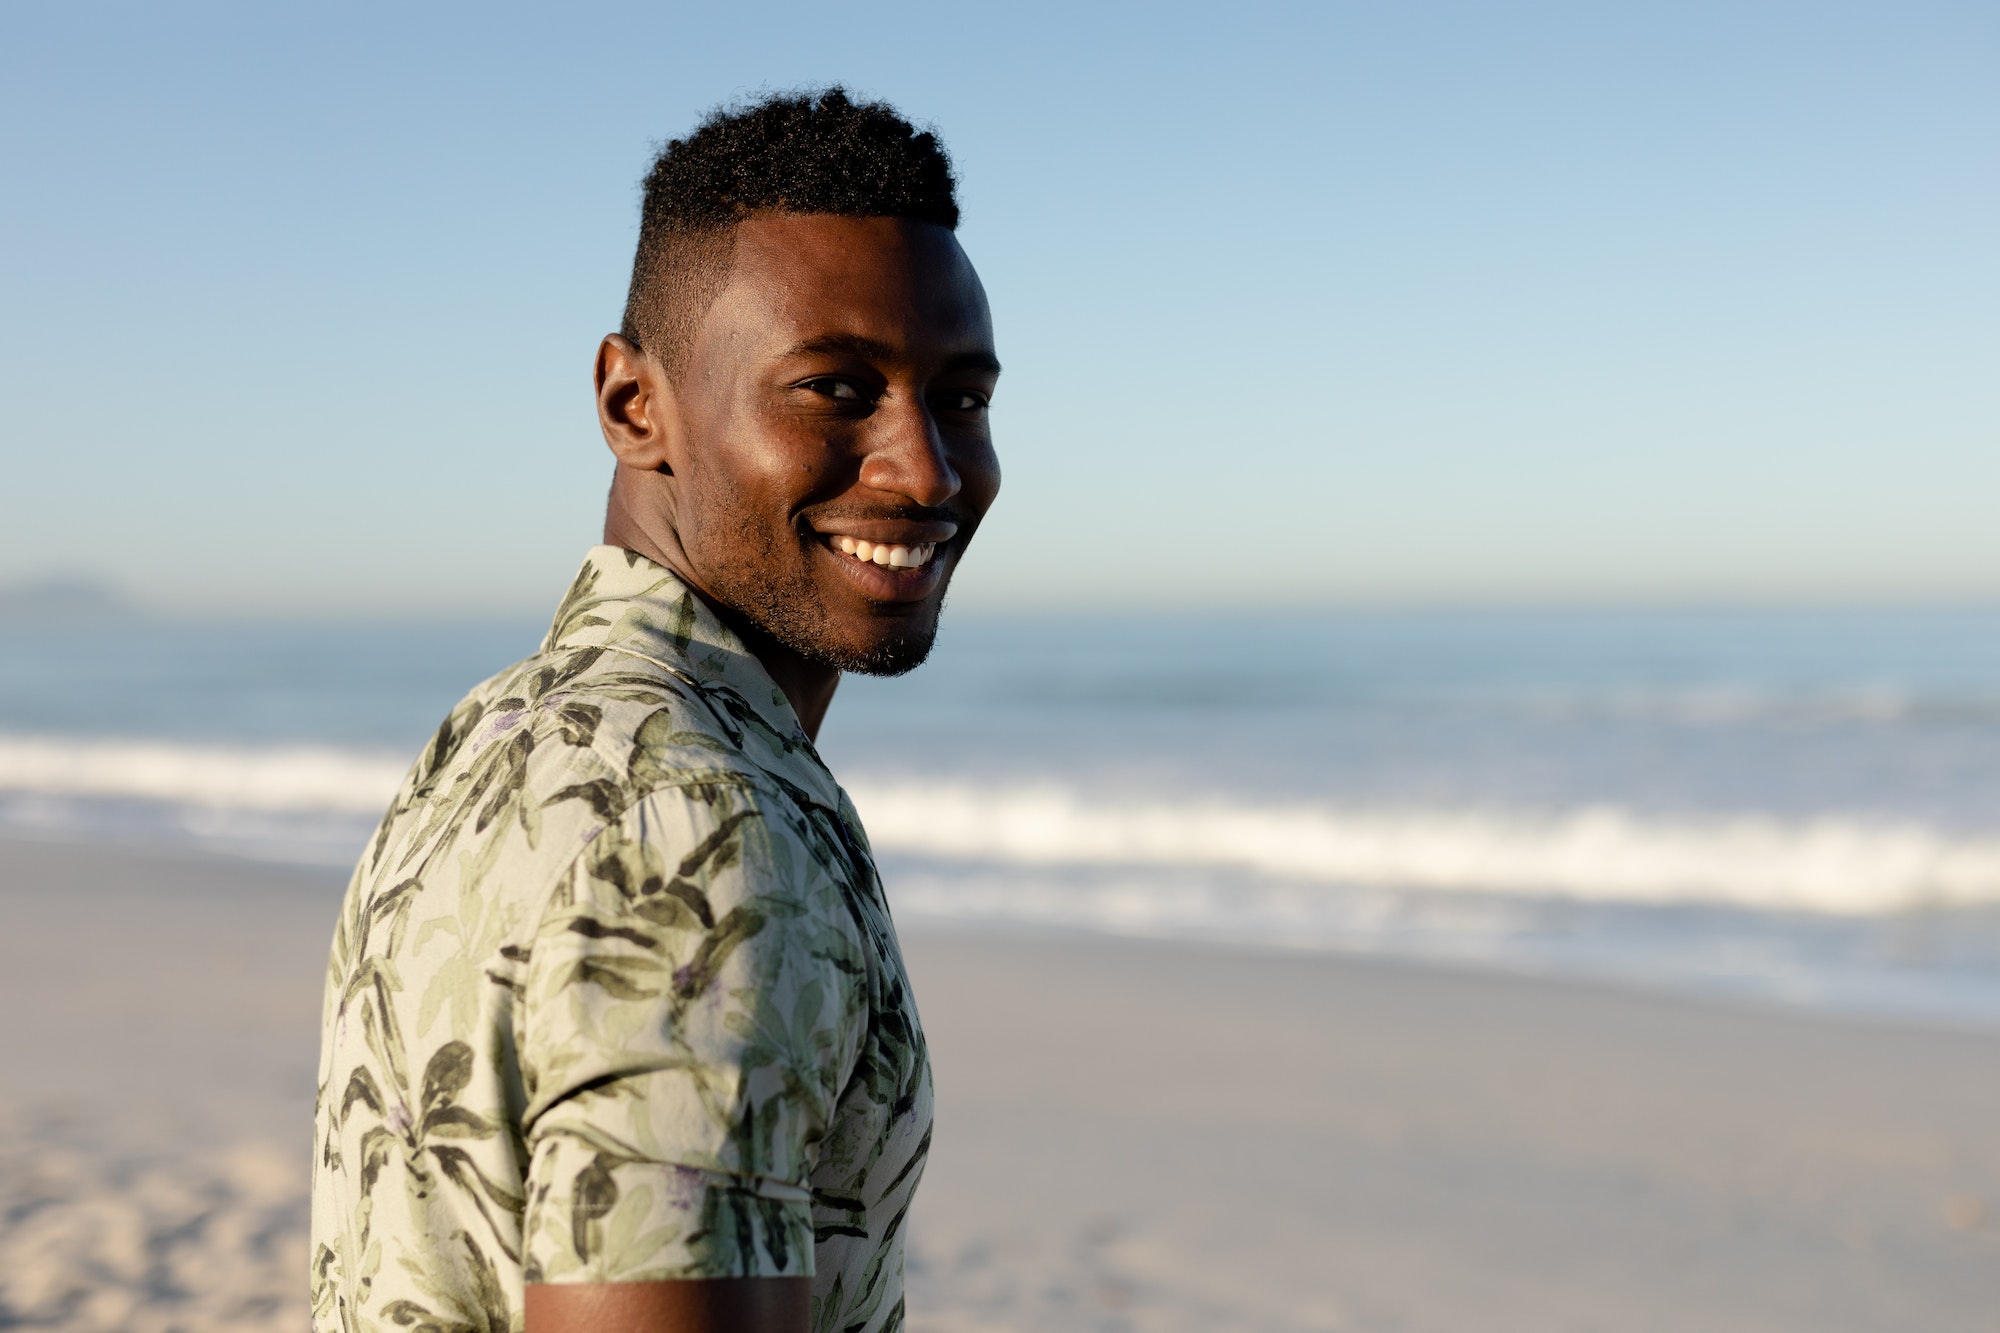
pixel 598 1216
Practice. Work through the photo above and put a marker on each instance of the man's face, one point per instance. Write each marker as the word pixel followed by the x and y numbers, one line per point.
pixel 838 457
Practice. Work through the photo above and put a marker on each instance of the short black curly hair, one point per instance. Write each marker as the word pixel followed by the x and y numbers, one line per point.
pixel 813 151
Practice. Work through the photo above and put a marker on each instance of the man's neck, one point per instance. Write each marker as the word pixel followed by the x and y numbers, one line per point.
pixel 808 686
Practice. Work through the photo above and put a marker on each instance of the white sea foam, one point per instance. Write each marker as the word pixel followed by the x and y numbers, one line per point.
pixel 1840 865
pixel 1832 864
pixel 292 778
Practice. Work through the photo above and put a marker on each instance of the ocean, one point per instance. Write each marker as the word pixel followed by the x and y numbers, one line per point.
pixel 1799 808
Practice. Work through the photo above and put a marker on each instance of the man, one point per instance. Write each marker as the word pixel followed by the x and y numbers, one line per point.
pixel 618 1036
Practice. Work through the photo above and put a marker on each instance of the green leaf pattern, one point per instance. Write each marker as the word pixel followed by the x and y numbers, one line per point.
pixel 615 996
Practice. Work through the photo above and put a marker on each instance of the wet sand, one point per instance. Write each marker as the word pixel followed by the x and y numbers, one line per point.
pixel 1132 1136
pixel 1151 1136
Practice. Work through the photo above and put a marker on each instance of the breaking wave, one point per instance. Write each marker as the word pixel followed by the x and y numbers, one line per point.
pixel 1838 865
pixel 1844 865
pixel 305 778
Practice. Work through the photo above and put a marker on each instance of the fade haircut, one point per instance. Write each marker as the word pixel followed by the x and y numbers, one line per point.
pixel 798 152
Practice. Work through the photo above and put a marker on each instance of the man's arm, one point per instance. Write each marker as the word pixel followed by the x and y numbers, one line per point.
pixel 687 1026
pixel 705 1305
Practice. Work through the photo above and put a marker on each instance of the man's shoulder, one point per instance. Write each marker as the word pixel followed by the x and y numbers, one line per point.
pixel 641 722
pixel 539 759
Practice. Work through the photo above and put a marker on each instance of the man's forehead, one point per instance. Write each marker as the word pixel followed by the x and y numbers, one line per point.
pixel 818 279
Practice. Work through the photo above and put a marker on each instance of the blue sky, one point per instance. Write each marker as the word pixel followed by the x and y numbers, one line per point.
pixel 1299 304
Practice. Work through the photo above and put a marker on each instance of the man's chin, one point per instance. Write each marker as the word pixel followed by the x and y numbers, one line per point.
pixel 866 647
pixel 894 658
pixel 876 650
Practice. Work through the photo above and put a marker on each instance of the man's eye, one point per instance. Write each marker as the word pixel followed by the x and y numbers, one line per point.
pixel 963 402
pixel 844 390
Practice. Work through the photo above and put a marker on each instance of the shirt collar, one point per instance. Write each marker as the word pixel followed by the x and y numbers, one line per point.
pixel 625 603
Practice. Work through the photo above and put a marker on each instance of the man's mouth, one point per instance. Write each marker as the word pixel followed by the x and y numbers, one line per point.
pixel 885 554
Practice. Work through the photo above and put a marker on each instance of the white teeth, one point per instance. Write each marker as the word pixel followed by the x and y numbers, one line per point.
pixel 884 554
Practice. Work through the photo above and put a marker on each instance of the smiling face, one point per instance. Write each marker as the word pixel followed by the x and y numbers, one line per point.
pixel 822 457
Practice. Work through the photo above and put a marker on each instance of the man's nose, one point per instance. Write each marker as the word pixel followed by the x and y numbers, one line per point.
pixel 907 455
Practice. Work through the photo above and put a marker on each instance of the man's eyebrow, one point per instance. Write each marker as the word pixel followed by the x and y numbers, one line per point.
pixel 874 349
pixel 974 361
pixel 853 344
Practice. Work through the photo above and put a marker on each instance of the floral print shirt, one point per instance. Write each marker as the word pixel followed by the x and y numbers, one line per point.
pixel 615 996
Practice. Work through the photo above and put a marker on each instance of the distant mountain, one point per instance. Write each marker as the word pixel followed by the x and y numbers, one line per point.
pixel 62 598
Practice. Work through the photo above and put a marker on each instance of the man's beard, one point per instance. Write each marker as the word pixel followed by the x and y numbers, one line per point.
pixel 789 613
pixel 810 637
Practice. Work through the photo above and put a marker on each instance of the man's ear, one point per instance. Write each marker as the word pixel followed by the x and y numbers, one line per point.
pixel 636 408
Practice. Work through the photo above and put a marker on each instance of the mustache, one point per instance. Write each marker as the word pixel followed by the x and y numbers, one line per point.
pixel 911 513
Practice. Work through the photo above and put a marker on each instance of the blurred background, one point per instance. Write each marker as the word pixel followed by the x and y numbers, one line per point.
pixel 1500 485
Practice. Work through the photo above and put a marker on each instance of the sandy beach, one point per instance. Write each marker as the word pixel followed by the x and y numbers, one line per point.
pixel 1132 1136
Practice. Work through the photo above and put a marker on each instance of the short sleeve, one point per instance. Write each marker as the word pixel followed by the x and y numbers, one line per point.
pixel 694 1003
